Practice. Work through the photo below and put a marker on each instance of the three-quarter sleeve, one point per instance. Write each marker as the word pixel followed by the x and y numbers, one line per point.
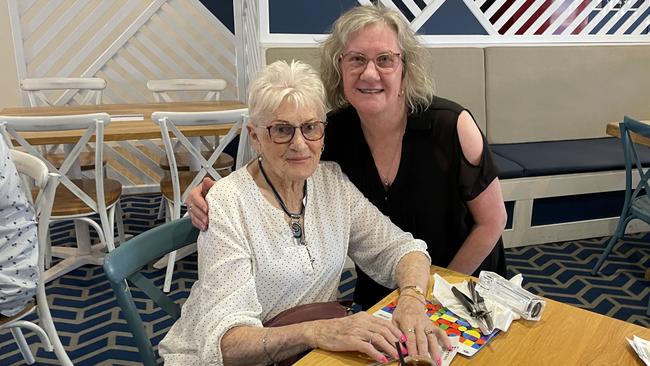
pixel 225 296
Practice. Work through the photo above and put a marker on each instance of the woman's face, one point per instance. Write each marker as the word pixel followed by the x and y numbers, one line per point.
pixel 372 90
pixel 292 161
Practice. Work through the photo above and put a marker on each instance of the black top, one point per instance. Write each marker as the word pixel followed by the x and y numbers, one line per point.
pixel 428 195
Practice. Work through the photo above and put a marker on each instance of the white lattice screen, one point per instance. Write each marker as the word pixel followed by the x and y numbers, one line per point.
pixel 126 42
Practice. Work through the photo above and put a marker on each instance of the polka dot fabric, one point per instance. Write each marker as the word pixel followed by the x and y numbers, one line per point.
pixel 18 240
pixel 251 268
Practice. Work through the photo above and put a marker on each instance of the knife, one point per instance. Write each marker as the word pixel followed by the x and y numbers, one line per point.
pixel 466 301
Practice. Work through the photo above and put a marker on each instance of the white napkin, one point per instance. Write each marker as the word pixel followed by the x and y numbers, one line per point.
pixel 502 316
pixel 642 348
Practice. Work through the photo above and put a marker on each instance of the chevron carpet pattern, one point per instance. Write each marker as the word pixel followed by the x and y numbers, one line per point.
pixel 93 332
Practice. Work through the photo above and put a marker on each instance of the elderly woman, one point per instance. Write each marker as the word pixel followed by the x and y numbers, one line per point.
pixel 279 232
pixel 421 159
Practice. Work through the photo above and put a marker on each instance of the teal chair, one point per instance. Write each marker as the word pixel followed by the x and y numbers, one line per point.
pixel 637 201
pixel 125 262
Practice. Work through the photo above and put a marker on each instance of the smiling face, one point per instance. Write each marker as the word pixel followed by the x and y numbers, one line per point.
pixel 296 160
pixel 370 91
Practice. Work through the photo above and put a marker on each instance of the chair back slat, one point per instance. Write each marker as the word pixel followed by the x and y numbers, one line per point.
pixel 125 263
pixel 213 87
pixel 35 87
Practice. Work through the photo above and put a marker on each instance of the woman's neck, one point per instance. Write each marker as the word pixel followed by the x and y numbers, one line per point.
pixel 291 192
pixel 382 128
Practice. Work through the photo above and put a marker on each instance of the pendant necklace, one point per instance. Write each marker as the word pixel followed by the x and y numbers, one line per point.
pixel 295 219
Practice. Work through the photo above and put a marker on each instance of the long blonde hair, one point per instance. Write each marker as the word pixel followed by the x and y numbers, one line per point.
pixel 418 86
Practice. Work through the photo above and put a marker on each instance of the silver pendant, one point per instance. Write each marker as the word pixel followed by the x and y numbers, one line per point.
pixel 296 229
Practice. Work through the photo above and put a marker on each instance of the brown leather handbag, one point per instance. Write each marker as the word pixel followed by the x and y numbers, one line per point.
pixel 305 313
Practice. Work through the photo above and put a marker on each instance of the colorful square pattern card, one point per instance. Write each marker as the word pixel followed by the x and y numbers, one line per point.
pixel 470 339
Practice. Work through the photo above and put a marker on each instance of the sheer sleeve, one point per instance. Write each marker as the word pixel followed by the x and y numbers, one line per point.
pixel 474 179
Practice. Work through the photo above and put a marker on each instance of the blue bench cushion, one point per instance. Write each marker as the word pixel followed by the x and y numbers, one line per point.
pixel 507 168
pixel 566 157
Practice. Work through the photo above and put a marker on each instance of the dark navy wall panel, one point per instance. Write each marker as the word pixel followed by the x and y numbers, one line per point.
pixel 223 10
pixel 305 16
pixel 453 17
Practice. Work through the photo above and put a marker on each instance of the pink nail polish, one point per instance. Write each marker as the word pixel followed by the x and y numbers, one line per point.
pixel 450 348
pixel 383 359
pixel 403 339
pixel 405 352
pixel 439 361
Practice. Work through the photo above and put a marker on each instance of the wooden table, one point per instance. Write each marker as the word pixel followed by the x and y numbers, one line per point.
pixel 614 130
pixel 140 126
pixel 566 335
pixel 122 130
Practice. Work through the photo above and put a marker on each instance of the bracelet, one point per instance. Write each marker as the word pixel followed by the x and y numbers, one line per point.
pixel 415 288
pixel 423 302
pixel 266 351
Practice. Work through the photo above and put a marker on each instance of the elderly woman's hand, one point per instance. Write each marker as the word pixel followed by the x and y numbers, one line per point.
pixel 197 205
pixel 360 332
pixel 422 336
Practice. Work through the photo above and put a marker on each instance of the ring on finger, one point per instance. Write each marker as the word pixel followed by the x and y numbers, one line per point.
pixel 428 331
pixel 411 330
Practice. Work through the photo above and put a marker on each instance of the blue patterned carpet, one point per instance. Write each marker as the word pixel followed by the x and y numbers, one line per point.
pixel 93 332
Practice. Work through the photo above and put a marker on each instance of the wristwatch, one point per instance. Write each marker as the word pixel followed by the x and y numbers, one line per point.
pixel 417 289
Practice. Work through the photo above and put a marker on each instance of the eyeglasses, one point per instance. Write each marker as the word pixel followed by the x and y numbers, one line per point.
pixel 282 133
pixel 386 62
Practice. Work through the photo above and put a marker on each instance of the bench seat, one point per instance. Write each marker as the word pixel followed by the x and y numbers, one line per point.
pixel 562 157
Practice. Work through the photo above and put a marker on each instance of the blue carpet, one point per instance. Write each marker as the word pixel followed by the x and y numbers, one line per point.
pixel 94 333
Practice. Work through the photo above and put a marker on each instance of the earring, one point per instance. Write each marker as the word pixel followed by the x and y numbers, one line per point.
pixel 401 93
pixel 322 148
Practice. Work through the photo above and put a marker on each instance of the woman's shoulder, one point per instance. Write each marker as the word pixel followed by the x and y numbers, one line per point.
pixel 232 186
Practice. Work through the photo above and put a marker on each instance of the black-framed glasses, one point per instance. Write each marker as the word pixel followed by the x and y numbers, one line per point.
pixel 386 62
pixel 282 132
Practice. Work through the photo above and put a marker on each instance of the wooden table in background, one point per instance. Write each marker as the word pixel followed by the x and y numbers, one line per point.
pixel 123 130
pixel 614 130
pixel 566 335
pixel 140 127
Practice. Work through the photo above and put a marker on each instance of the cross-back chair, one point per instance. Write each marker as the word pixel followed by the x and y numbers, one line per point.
pixel 93 89
pixel 637 201
pixel 75 199
pixel 45 183
pixel 212 89
pixel 178 184
pixel 125 262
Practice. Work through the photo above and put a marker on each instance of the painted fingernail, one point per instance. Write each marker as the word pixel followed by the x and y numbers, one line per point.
pixel 383 359
pixel 403 339
pixel 450 348
pixel 439 361
pixel 405 351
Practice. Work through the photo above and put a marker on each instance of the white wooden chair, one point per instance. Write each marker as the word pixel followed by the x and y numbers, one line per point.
pixel 45 183
pixel 178 185
pixel 75 199
pixel 212 89
pixel 36 88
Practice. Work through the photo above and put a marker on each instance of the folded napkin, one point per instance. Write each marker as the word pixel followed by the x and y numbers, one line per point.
pixel 502 316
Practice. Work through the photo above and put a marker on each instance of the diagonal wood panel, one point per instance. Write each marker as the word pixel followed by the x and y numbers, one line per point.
pixel 126 42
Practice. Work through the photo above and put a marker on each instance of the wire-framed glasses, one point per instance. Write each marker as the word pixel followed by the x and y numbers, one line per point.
pixel 282 132
pixel 385 62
